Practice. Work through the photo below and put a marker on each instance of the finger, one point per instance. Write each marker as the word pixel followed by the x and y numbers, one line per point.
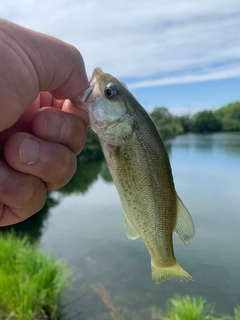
pixel 45 99
pixel 61 127
pixel 80 110
pixel 43 64
pixel 53 163
pixel 21 195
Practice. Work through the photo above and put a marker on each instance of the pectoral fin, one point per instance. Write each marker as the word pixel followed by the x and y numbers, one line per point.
pixel 130 231
pixel 184 226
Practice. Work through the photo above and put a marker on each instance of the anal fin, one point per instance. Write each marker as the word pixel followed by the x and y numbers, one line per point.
pixel 184 226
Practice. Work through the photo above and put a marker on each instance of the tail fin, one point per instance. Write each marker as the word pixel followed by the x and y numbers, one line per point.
pixel 176 272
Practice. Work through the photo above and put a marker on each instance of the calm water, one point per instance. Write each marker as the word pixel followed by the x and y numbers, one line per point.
pixel 111 274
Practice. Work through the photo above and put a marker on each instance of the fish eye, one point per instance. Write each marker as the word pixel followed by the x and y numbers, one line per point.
pixel 111 91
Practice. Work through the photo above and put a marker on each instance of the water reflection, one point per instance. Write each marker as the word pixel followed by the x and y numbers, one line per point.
pixel 105 174
pixel 111 274
pixel 86 174
pixel 222 141
pixel 33 227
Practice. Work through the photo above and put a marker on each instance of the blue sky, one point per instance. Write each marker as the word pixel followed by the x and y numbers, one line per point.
pixel 184 55
pixel 190 98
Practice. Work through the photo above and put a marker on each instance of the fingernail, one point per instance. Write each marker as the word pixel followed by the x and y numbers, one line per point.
pixel 57 126
pixel 29 151
pixel 4 172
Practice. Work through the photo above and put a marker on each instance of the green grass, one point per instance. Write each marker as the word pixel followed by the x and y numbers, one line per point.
pixel 195 308
pixel 189 308
pixel 31 282
pixel 237 313
pixel 236 316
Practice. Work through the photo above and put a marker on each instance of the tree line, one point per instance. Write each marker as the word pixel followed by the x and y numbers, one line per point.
pixel 226 118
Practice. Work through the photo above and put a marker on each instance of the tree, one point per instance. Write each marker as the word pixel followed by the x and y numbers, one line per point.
pixel 161 115
pixel 205 122
pixel 183 123
pixel 164 122
pixel 229 116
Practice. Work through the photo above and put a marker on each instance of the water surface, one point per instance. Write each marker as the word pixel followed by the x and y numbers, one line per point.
pixel 111 274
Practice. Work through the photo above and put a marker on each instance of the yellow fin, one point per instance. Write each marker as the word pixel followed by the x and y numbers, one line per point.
pixel 184 226
pixel 176 272
pixel 130 231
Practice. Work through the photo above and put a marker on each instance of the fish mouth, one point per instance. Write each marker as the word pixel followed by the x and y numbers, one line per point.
pixel 97 72
pixel 86 94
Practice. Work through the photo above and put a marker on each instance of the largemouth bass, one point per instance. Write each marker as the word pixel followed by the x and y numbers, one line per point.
pixel 140 167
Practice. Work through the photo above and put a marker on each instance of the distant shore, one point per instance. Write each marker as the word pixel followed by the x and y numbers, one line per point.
pixel 224 119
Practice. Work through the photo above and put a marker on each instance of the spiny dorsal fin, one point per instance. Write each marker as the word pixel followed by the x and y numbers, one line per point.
pixel 184 226
pixel 130 231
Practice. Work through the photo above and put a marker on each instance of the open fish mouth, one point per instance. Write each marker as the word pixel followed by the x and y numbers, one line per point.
pixel 95 77
pixel 86 94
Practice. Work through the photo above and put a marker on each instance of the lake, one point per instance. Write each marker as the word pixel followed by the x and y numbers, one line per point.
pixel 112 274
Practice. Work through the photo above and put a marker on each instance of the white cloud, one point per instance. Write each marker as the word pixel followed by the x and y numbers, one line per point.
pixel 156 42
pixel 210 74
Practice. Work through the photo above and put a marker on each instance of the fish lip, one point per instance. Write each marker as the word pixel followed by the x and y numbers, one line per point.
pixel 86 94
pixel 97 72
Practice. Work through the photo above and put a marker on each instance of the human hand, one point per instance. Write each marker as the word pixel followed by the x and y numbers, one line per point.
pixel 40 131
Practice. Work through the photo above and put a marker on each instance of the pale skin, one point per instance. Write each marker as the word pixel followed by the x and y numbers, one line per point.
pixel 40 130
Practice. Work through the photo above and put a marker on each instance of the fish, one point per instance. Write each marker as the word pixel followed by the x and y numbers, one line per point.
pixel 139 164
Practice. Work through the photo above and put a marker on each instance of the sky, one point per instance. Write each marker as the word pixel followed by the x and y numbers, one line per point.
pixel 184 55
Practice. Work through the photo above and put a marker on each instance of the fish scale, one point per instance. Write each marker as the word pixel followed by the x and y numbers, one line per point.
pixel 140 167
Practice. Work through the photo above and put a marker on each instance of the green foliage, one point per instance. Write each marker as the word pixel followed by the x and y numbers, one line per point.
pixel 226 118
pixel 184 122
pixel 31 282
pixel 92 150
pixel 195 308
pixel 236 313
pixel 205 122
pixel 229 116
pixel 161 115
pixel 84 176
pixel 167 125
pixel 33 226
pixel 179 308
pixel 105 173
pixel 189 308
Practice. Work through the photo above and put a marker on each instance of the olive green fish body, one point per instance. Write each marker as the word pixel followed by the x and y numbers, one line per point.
pixel 139 173
pixel 140 167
